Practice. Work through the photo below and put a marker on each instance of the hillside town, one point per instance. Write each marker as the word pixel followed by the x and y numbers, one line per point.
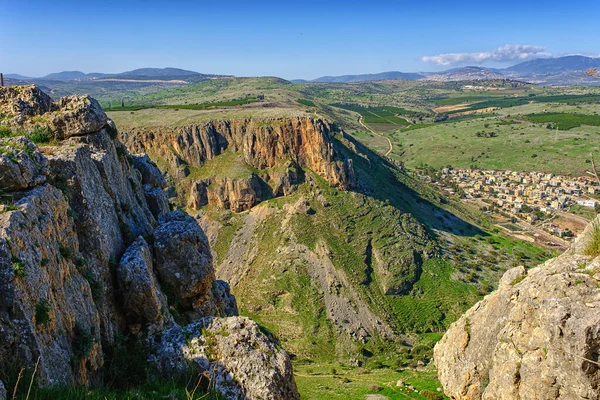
pixel 533 198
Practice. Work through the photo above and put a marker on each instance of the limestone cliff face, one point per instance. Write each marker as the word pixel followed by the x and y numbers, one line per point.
pixel 269 145
pixel 88 250
pixel 536 337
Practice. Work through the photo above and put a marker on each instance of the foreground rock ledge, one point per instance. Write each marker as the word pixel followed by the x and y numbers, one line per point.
pixel 84 259
pixel 536 337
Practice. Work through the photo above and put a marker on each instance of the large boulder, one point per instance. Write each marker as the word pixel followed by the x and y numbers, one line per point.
pixel 22 165
pixel 183 259
pixel 77 115
pixel 241 360
pixel 19 102
pixel 143 302
pixel 536 337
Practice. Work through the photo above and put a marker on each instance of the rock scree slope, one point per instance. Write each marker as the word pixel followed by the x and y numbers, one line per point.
pixel 89 251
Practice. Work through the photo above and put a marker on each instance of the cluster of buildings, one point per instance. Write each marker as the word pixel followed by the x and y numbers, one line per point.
pixel 524 195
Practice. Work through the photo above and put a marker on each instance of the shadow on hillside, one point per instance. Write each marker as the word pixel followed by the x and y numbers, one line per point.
pixel 384 181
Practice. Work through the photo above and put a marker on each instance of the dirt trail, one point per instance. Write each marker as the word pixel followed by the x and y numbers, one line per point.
pixel 360 120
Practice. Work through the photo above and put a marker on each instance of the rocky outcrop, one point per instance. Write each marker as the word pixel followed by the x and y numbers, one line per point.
pixel 22 166
pixel 71 116
pixel 183 259
pixel 242 362
pixel 84 258
pixel 143 300
pixel 77 115
pixel 265 145
pixel 235 194
pixel 19 102
pixel 536 337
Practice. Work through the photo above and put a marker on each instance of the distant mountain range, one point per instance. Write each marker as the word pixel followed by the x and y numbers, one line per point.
pixel 568 70
pixel 560 71
pixel 137 74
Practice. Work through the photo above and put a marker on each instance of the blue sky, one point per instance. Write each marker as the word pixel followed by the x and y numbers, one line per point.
pixel 290 39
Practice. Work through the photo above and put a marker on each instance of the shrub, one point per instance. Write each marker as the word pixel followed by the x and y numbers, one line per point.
pixel 18 267
pixel 429 395
pixel 592 246
pixel 64 251
pixel 83 341
pixel 40 135
pixel 42 312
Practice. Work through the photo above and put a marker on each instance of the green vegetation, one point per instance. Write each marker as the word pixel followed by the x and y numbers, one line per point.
pixel 202 106
pixel 317 382
pixel 378 115
pixel 83 341
pixel 592 244
pixel 38 135
pixel 564 121
pixel 42 312
pixel 18 267
pixel 305 102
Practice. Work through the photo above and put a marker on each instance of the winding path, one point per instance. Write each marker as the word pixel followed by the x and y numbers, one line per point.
pixel 360 120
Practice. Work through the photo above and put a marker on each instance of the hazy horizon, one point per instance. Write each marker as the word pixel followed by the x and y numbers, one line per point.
pixel 291 40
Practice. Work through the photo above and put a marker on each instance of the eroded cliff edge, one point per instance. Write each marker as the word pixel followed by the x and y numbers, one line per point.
pixel 536 337
pixel 89 251
pixel 263 159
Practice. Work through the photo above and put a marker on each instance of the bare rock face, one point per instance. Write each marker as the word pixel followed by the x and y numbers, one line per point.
pixel 46 305
pixel 241 360
pixel 183 258
pixel 157 200
pixel 20 102
pixel 151 175
pixel 22 166
pixel 235 194
pixel 225 302
pixel 143 301
pixel 536 337
pixel 77 115
pixel 264 144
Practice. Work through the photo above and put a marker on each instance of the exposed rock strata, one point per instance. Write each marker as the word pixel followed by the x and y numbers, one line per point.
pixel 536 337
pixel 276 147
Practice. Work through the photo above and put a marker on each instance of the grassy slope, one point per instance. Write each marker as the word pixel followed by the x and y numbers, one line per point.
pixel 280 296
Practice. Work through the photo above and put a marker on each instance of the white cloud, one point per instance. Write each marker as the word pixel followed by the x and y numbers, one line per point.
pixel 507 53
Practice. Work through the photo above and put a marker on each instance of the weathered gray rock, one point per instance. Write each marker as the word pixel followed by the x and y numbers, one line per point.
pixel 183 258
pixel 151 175
pixel 157 200
pixel 2 391
pixel 38 248
pixel 20 102
pixel 22 165
pixel 225 303
pixel 536 337
pixel 143 301
pixel 242 361
pixel 77 115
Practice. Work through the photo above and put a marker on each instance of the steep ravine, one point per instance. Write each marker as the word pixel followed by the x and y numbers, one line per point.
pixel 89 252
